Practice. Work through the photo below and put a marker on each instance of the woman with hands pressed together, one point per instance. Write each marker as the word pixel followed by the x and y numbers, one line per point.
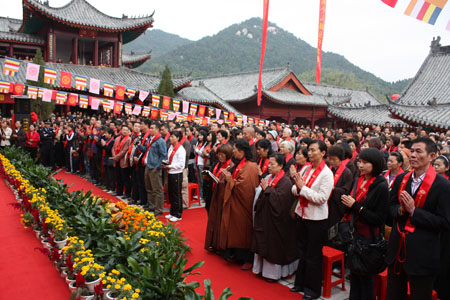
pixel 368 205
pixel 313 185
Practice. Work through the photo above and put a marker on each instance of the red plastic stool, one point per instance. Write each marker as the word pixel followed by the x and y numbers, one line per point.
pixel 379 286
pixel 331 255
pixel 193 188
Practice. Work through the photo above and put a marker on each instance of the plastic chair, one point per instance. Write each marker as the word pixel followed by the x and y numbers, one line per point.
pixel 193 188
pixel 331 255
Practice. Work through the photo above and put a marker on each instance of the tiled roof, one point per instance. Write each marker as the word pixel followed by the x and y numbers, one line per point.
pixel 8 31
pixel 9 24
pixel 343 96
pixel 80 12
pixel 202 95
pixel 121 76
pixel 426 101
pixel 366 115
pixel 289 96
pixel 134 57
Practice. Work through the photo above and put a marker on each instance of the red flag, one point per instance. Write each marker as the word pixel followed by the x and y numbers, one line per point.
pixel 231 116
pixel 263 46
pixel 205 121
pixel 18 89
pixel 120 92
pixel 65 80
pixel 323 5
pixel 201 111
pixel 154 114
pixel 54 92
pixel 72 100
pixel 166 102
pixel 118 107
pixel 391 3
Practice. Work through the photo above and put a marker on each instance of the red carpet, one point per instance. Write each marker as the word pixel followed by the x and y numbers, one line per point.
pixel 25 273
pixel 221 273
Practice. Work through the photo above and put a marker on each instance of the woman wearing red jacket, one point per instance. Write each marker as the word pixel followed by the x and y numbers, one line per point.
pixel 33 140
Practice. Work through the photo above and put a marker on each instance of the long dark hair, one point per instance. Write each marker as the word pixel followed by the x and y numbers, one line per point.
pixel 243 145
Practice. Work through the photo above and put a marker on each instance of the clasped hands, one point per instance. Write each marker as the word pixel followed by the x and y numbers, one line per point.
pixel 406 203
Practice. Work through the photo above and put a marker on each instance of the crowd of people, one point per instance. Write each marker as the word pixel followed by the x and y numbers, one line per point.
pixel 275 196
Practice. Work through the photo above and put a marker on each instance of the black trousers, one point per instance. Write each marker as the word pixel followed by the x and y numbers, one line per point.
pixel 141 185
pixel 176 201
pixel 47 155
pixel 110 178
pixel 421 287
pixel 32 151
pixel 123 180
pixel 134 183
pixel 361 287
pixel 313 235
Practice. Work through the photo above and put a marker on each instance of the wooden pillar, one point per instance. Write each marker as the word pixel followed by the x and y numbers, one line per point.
pixel 75 51
pixel 313 117
pixel 11 50
pixel 96 52
pixel 115 63
pixel 289 118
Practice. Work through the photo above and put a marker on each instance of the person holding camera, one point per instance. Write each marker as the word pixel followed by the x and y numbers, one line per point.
pixel 175 166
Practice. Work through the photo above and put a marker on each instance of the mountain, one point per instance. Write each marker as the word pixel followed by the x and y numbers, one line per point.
pixel 158 41
pixel 237 49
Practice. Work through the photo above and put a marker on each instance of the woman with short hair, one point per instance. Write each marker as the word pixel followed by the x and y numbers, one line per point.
pixel 287 148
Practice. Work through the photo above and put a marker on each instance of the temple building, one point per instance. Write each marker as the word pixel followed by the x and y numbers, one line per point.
pixel 76 33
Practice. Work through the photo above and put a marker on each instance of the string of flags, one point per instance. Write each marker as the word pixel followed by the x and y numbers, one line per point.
pixel 162 107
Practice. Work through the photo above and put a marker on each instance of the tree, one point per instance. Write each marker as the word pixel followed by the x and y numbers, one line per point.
pixel 166 85
pixel 41 108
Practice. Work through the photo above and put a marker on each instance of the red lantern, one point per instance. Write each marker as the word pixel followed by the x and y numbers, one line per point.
pixel 395 97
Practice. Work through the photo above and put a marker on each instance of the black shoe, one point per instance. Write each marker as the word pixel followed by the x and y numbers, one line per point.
pixel 308 297
pixel 297 289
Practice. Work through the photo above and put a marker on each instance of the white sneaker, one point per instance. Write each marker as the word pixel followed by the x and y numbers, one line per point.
pixel 169 216
pixel 174 219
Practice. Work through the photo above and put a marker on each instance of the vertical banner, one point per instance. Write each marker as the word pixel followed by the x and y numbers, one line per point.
pixel 175 105
pixel 166 102
pixel 137 110
pixel 263 46
pixel 185 107
pixel 323 5
pixel 32 72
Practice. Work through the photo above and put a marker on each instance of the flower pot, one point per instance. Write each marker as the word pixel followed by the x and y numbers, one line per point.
pixel 68 281
pixel 72 286
pixel 105 292
pixel 47 246
pixel 61 244
pixel 109 297
pixel 91 284
pixel 90 297
pixel 63 274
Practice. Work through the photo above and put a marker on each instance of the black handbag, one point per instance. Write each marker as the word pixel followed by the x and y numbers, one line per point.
pixel 367 257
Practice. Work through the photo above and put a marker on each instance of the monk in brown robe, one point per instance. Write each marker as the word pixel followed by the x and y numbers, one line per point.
pixel 218 189
pixel 274 236
pixel 237 217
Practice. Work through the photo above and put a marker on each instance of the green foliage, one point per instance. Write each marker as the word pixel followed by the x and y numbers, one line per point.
pixel 166 85
pixel 41 108
pixel 227 53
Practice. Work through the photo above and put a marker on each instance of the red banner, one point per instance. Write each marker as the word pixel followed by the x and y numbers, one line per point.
pixel 201 110
pixel 323 5
pixel 65 80
pixel 166 102
pixel 263 46
pixel 19 88
pixel 72 100
pixel 391 3
pixel 120 92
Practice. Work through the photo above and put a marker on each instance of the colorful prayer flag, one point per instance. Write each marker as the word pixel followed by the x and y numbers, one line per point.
pixel 155 100
pixel 32 92
pixel 73 99
pixel 244 119
pixel 47 95
pixel 166 102
pixel 5 86
pixel 11 67
pixel 201 110
pixel 118 107
pixel 95 102
pixel 40 93
pixel 128 108
pixel 143 95
pixel 61 97
pixel 49 75
pixel 130 93
pixel 80 83
pixel 137 110
pixel 193 109
pixel 391 3
pixel 145 111
pixel 32 72
pixel 225 115
pixel 120 92
pixel 84 101
pixel 210 112
pixel 154 114
pixel 185 107
pixel 239 120
pixel 175 105
pixel 231 116
pixel 108 89
pixel 164 115
pixel 425 10
pixel 218 111
pixel 19 88
pixel 65 80
pixel 108 105
pixel 94 86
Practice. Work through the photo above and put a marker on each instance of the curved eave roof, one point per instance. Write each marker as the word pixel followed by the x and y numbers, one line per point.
pixel 204 96
pixel 293 97
pixel 117 76
pixel 79 13
pixel 437 116
pixel 22 38
pixel 134 60
pixel 371 115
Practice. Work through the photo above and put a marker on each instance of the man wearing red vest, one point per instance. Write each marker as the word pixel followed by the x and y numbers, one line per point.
pixel 420 210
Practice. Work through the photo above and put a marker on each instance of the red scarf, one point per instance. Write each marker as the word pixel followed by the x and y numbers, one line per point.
pixel 135 136
pixel 145 137
pixel 207 149
pixel 392 149
pixel 277 178
pixel 155 138
pixel 288 157
pixel 339 172
pixel 190 138
pixel 346 161
pixel 66 141
pixel 361 192
pixel 177 146
pixel 252 141
pixel 303 200
pixel 354 155
pixel 166 137
pixel 265 165
pixel 239 167
pixel 386 175
pixel 119 145
pixel 217 171
pixel 419 201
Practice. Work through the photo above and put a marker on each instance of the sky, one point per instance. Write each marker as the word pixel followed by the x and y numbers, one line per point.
pixel 370 34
